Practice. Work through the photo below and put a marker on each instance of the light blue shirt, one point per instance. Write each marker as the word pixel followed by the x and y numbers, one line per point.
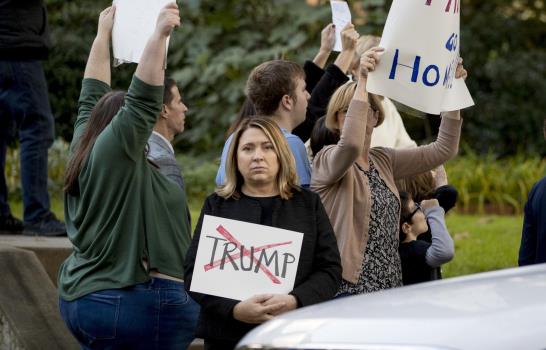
pixel 303 168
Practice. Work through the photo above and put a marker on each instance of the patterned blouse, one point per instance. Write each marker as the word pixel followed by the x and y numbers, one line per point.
pixel 381 267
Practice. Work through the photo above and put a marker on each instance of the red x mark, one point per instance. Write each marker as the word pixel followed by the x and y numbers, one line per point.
pixel 246 252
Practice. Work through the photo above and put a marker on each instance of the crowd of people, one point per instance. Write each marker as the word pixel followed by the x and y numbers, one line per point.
pixel 369 202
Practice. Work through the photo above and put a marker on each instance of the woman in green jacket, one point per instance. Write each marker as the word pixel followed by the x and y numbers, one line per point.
pixel 122 285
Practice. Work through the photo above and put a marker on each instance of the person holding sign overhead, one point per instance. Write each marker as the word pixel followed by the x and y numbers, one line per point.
pixel 262 187
pixel 356 183
pixel 122 287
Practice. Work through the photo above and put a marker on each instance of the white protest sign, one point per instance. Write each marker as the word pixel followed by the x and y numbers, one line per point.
pixel 134 23
pixel 237 259
pixel 341 16
pixel 421 42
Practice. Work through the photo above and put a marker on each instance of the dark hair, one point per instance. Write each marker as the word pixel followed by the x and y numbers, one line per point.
pixel 270 81
pixel 247 110
pixel 167 94
pixel 322 136
pixel 405 198
pixel 419 187
pixel 101 115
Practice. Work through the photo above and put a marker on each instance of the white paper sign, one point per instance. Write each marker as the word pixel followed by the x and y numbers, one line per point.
pixel 237 259
pixel 134 23
pixel 421 41
pixel 341 16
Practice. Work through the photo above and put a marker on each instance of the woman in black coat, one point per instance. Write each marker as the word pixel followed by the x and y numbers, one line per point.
pixel 261 188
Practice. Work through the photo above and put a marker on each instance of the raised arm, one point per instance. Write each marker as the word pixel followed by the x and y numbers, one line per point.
pixel 98 63
pixel 96 80
pixel 329 82
pixel 349 39
pixel 442 248
pixel 152 63
pixel 327 41
pixel 133 125
pixel 409 162
pixel 332 163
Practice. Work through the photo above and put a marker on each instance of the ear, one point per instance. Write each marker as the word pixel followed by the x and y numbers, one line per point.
pixel 406 228
pixel 286 103
pixel 163 113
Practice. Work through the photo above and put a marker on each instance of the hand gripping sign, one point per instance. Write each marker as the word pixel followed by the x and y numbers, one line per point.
pixel 134 23
pixel 421 41
pixel 237 259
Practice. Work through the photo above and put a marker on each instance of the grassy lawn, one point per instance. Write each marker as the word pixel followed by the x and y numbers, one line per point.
pixel 482 243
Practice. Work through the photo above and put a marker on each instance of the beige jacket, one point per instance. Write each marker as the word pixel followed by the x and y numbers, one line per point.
pixel 345 191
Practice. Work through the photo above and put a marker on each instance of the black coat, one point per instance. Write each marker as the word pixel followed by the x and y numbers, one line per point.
pixel 319 270
pixel 321 84
pixel 24 33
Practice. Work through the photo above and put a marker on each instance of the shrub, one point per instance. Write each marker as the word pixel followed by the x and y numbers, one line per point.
pixel 488 184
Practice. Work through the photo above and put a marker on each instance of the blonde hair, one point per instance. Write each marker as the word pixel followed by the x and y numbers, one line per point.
pixel 287 177
pixel 365 43
pixel 340 100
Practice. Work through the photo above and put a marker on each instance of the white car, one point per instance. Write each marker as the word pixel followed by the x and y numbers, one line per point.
pixel 495 310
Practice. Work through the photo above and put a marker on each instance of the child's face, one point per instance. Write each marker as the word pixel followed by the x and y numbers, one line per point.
pixel 418 220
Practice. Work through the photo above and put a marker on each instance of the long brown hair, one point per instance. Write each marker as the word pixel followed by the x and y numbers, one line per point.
pixel 420 186
pixel 101 115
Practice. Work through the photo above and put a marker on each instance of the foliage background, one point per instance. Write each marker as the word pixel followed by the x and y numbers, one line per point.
pixel 220 42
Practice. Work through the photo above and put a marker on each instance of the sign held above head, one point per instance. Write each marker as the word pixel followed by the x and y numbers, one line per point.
pixel 341 16
pixel 421 39
pixel 134 23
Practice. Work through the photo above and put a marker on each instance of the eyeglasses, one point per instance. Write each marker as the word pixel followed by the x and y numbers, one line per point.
pixel 417 208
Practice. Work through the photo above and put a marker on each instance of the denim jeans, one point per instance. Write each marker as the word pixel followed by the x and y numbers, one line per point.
pixel 24 109
pixel 158 314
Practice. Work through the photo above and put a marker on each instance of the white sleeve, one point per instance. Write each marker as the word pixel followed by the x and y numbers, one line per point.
pixel 401 137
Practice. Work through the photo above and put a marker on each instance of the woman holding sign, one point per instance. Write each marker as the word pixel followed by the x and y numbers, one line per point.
pixel 356 182
pixel 122 287
pixel 261 188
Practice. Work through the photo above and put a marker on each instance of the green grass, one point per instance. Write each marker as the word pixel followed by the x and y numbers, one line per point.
pixel 483 243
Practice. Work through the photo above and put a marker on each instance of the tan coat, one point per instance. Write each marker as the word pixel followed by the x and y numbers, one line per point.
pixel 345 190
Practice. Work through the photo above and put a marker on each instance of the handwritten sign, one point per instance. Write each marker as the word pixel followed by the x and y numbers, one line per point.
pixel 421 40
pixel 341 16
pixel 237 260
pixel 134 23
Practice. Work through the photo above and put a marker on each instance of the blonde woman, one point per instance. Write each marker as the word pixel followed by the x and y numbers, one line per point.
pixel 356 183
pixel 262 187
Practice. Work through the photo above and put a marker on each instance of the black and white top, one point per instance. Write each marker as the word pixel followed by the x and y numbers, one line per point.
pixel 381 267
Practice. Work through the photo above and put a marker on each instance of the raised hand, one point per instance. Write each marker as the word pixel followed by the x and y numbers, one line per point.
pixel 460 72
pixel 106 21
pixel 328 38
pixel 369 60
pixel 349 38
pixel 429 203
pixel 169 17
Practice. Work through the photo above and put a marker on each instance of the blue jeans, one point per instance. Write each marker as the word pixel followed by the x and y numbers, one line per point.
pixel 24 109
pixel 158 314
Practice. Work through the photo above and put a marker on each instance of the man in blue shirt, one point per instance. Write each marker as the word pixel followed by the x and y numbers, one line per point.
pixel 533 238
pixel 278 90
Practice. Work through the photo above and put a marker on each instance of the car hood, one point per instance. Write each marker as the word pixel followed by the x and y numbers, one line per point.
pixel 502 310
